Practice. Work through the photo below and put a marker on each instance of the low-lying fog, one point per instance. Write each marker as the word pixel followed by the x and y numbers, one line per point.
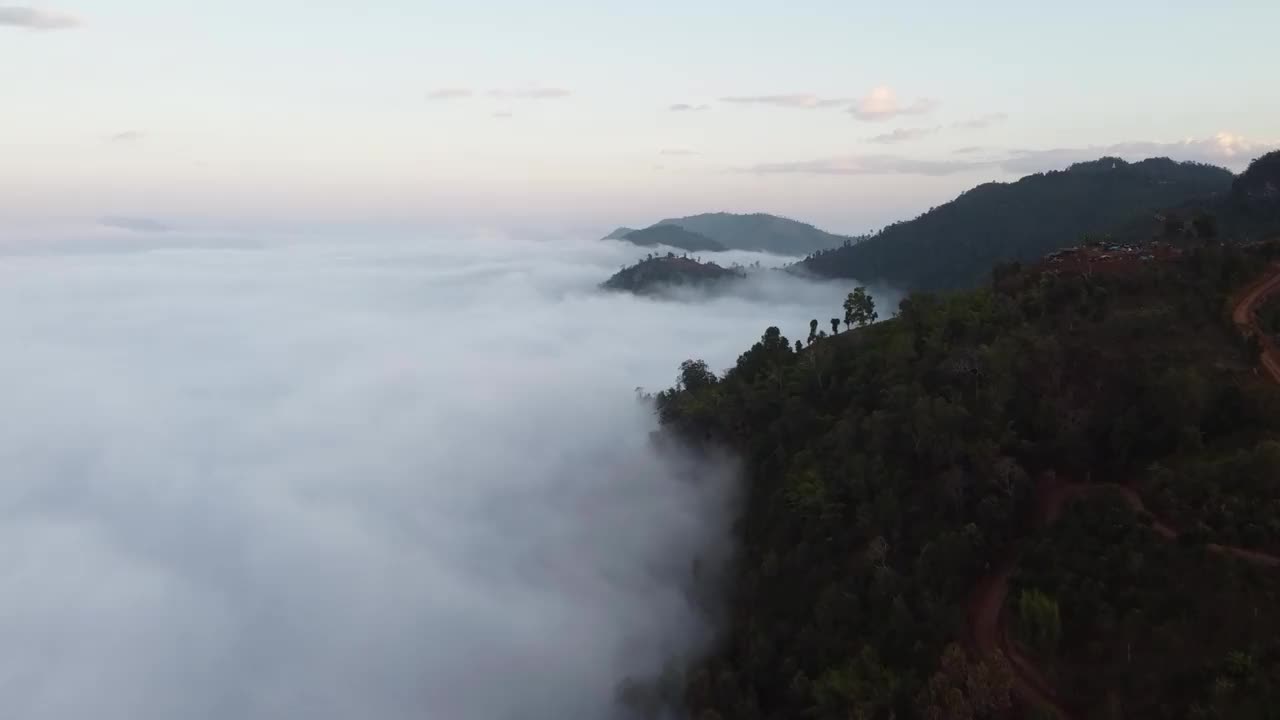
pixel 336 480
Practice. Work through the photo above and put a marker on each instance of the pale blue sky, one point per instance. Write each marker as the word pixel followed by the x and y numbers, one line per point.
pixel 306 110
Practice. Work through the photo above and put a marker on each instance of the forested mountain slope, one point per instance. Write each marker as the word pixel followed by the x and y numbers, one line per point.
pixel 891 470
pixel 756 231
pixel 670 235
pixel 759 231
pixel 956 244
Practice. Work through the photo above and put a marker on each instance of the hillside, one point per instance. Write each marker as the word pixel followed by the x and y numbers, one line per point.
pixel 759 232
pixel 944 513
pixel 1249 211
pixel 956 244
pixel 658 273
pixel 669 235
pixel 619 234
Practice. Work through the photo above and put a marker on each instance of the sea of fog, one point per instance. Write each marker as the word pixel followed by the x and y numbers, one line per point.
pixel 350 478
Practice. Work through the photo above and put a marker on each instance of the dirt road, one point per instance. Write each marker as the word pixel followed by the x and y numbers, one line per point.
pixel 986 611
pixel 1246 319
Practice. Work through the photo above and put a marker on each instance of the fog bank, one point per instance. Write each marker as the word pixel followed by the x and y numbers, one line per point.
pixel 384 479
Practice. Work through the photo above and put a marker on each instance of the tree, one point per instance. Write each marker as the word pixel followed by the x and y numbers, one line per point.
pixel 694 375
pixel 965 687
pixel 835 326
pixel 813 330
pixel 799 346
pixel 1205 225
pixel 1038 621
pixel 860 308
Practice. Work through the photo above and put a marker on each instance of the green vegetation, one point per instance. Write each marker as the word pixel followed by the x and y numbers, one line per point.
pixel 1153 628
pixel 1231 498
pixel 1039 622
pixel 659 273
pixel 889 468
pixel 766 233
pixel 955 245
pixel 859 309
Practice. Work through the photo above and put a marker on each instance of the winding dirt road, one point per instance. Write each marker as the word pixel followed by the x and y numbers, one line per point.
pixel 989 633
pixel 1246 319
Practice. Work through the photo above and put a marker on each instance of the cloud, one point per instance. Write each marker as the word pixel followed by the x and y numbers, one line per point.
pixel 686 107
pixel 128 136
pixel 1224 148
pixel 34 19
pixel 869 165
pixel 797 100
pixel 550 93
pixel 678 152
pixel 453 93
pixel 504 114
pixel 247 484
pixel 882 104
pixel 135 224
pixel 904 135
pixel 981 122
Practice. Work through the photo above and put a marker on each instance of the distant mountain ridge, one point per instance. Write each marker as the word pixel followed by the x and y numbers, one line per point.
pixel 955 245
pixel 729 231
pixel 671 235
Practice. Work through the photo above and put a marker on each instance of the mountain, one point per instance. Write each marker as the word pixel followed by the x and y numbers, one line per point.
pixel 619 234
pixel 760 232
pixel 1252 208
pixel 1249 211
pixel 1055 496
pixel 955 245
pixel 658 273
pixel 667 234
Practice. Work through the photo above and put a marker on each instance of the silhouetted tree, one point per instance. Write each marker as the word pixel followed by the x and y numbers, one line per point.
pixel 859 308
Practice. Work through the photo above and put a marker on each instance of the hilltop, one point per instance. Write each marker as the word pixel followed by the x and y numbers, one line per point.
pixel 948 513
pixel 658 273
pixel 758 232
pixel 956 244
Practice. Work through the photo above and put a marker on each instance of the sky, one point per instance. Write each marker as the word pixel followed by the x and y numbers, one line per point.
pixel 599 113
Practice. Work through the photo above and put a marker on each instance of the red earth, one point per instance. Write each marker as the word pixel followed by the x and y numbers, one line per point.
pixel 988 631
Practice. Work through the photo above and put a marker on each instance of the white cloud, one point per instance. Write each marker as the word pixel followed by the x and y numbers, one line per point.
pixel 686 107
pixel 678 152
pixel 869 165
pixel 549 93
pixel 981 122
pixel 904 135
pixel 135 224
pixel 387 478
pixel 36 19
pixel 452 93
pixel 802 101
pixel 504 114
pixel 882 104
pixel 127 136
pixel 1225 148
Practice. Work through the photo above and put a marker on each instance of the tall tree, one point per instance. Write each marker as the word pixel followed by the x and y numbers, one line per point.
pixel 860 308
